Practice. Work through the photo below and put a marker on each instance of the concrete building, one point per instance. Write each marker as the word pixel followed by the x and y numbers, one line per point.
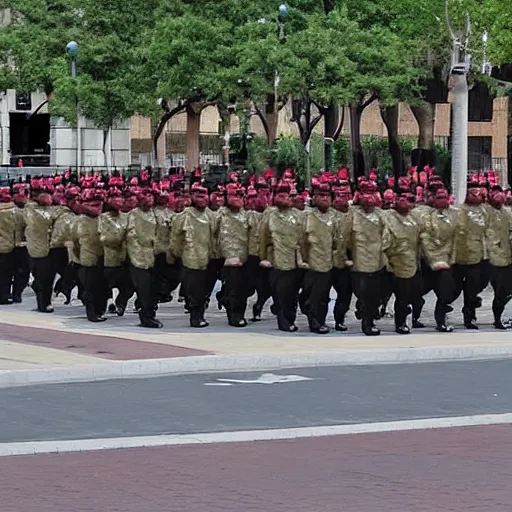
pixel 28 134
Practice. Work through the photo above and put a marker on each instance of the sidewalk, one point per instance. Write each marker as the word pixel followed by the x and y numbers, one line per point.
pixel 62 347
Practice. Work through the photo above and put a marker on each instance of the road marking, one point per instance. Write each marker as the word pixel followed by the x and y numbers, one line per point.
pixel 84 445
pixel 266 378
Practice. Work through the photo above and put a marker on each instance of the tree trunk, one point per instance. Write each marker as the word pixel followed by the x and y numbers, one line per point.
pixel 426 118
pixel 425 115
pixel 193 134
pixel 272 118
pixel 390 116
pixel 225 129
pixel 158 148
pixel 358 166
pixel 333 124
pixel 104 148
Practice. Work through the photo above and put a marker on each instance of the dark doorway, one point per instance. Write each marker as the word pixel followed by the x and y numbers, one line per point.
pixel 30 139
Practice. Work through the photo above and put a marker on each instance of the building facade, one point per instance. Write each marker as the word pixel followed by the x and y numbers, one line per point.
pixel 489 131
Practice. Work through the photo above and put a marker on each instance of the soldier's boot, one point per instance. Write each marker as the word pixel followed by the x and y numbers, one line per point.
pixel 440 318
pixel 256 312
pixel 197 321
pixel 497 311
pixel 339 319
pixel 316 327
pixel 368 327
pixel 91 313
pixel 469 318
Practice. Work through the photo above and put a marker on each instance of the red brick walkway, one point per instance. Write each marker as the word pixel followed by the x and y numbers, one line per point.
pixel 458 470
pixel 106 347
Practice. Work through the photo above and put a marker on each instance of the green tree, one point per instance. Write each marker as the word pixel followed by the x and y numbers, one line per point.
pixel 108 35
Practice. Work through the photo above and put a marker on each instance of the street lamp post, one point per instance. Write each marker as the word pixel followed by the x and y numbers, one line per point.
pixel 72 51
pixel 281 21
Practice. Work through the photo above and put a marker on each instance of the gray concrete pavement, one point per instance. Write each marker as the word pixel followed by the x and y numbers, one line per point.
pixel 185 405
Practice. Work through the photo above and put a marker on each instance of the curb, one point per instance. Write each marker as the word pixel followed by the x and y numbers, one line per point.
pixel 210 364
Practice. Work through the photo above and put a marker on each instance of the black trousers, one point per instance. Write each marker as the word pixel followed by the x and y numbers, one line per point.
pixel 405 290
pixel 21 273
pixel 7 266
pixel 469 280
pixel 195 287
pixel 213 274
pixel 386 288
pixel 422 287
pixel 143 284
pixel 59 257
pixel 443 284
pixel 367 288
pixel 166 277
pixel 342 283
pixel 316 287
pixel 44 276
pixel 501 282
pixel 96 291
pixel 253 268
pixel 258 281
pixel 119 277
pixel 235 293
pixel 70 280
pixel 285 285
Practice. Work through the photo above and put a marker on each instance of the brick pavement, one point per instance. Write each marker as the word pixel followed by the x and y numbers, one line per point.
pixel 445 470
pixel 106 347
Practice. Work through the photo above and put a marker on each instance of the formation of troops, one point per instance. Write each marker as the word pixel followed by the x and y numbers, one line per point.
pixel 264 237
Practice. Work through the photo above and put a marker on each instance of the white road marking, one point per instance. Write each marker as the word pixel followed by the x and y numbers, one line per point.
pixel 267 378
pixel 84 445
pixel 217 384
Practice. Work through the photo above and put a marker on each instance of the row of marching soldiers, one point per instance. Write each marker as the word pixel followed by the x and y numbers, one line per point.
pixel 149 238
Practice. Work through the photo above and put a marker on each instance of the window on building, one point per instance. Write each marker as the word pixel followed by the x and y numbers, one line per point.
pixel 480 103
pixel 479 153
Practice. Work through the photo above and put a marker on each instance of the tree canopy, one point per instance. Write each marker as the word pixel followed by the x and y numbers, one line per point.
pixel 334 52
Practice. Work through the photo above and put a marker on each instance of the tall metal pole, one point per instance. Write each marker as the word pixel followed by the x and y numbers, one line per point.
pixel 459 87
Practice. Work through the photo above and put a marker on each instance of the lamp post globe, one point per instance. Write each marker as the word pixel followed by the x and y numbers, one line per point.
pixel 72 49
pixel 283 11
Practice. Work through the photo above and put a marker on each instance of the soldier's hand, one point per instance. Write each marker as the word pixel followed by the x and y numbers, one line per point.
pixel 440 265
pixel 265 264
pixel 233 262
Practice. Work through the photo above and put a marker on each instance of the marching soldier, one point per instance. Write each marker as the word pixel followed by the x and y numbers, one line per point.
pixel 234 247
pixel 402 254
pixel 319 241
pixel 7 245
pixel 140 243
pixel 369 238
pixel 112 228
pixel 89 249
pixel 500 256
pixel 21 260
pixel 470 252
pixel 280 238
pixel 438 245
pixel 191 241
pixel 39 217
pixel 341 276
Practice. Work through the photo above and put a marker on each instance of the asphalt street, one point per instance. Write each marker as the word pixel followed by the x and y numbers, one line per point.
pixel 191 404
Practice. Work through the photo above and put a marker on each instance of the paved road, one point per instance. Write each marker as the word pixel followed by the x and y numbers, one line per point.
pixel 184 404
pixel 457 470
